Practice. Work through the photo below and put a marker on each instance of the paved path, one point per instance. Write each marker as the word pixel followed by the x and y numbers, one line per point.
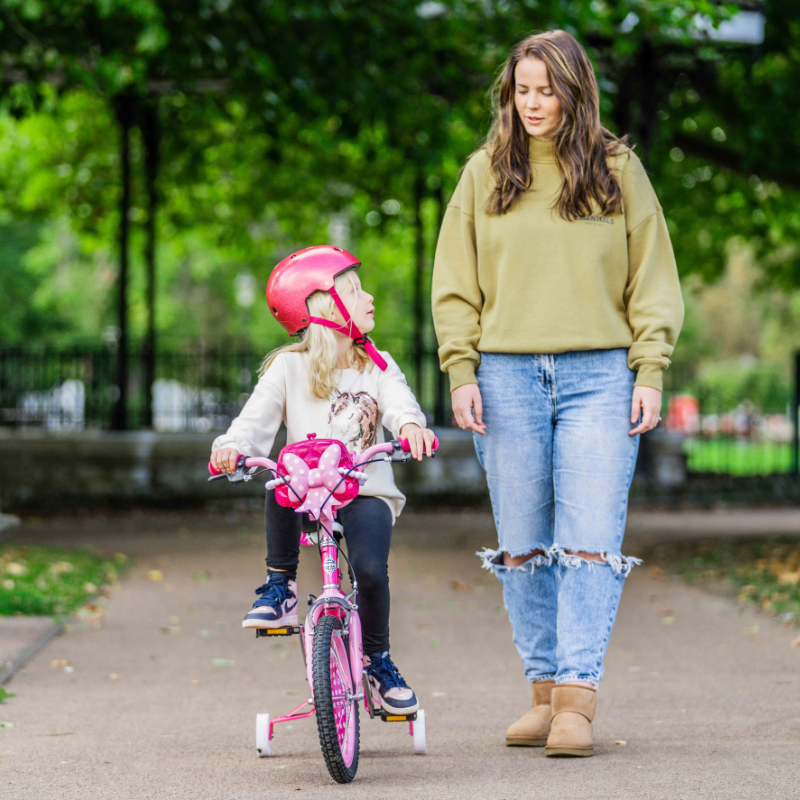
pixel 706 696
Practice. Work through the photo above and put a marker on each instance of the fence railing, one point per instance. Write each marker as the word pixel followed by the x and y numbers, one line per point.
pixel 202 388
pixel 196 388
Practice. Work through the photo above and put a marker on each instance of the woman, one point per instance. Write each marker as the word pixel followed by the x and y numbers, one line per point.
pixel 557 307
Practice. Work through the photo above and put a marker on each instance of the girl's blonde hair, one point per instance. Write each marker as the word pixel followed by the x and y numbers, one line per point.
pixel 320 343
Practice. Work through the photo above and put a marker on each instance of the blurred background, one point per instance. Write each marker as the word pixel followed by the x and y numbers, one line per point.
pixel 158 157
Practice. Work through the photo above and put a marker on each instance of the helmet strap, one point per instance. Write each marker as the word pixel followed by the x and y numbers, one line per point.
pixel 350 329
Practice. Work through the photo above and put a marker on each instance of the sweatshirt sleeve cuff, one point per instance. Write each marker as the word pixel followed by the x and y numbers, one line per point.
pixel 461 373
pixel 650 375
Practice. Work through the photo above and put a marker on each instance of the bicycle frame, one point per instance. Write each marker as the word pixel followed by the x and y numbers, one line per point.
pixel 333 599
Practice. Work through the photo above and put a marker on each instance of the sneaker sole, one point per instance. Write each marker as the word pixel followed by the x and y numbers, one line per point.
pixel 266 624
pixel 569 751
pixel 526 742
pixel 399 711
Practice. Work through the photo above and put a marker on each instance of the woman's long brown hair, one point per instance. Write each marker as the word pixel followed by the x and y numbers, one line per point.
pixel 582 144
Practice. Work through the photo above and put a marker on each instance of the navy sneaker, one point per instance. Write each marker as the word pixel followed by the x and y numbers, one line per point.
pixel 276 606
pixel 385 680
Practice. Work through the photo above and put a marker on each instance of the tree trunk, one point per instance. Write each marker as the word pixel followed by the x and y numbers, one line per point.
pixel 419 280
pixel 124 108
pixel 151 134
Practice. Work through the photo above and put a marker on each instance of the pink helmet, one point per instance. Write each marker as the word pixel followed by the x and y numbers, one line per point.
pixel 301 274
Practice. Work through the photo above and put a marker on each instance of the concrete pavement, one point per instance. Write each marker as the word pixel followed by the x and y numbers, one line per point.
pixel 161 699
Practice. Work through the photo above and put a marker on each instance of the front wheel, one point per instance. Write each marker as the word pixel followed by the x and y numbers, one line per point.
pixel 334 700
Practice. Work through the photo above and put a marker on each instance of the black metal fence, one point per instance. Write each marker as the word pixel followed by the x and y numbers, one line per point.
pixel 202 388
pixel 196 387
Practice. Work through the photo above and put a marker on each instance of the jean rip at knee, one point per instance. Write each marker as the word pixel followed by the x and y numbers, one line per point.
pixel 568 557
pixel 493 559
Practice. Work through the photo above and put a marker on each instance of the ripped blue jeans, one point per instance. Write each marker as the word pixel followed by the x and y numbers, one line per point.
pixel 559 463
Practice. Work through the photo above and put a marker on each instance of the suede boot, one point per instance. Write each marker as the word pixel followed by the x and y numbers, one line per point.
pixel 531 730
pixel 571 722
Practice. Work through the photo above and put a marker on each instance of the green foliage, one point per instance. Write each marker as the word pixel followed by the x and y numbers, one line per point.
pixel 762 574
pixel 738 457
pixel 48 581
pixel 4 695
pixel 289 124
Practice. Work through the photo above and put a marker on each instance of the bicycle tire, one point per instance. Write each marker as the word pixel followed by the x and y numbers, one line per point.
pixel 331 672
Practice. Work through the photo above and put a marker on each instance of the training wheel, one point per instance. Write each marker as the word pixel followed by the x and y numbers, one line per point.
pixel 262 735
pixel 419 733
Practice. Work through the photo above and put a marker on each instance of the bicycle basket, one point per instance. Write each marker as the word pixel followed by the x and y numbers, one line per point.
pixel 314 486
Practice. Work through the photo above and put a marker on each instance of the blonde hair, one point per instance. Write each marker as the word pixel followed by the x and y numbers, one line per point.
pixel 320 343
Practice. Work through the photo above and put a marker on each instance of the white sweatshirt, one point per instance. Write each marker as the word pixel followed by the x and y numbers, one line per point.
pixel 354 413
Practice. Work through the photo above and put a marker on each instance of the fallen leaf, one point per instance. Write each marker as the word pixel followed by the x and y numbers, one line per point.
pixel 665 612
pixel 796 642
pixel 6 724
pixel 60 663
pixel 668 620
pixel 752 629
pixel 424 626
pixel 222 662
pixel 202 575
pixel 195 682
pixel 620 741
pixel 171 629
pixel 155 575
pixel 461 586
pixel 114 676
pixel 656 573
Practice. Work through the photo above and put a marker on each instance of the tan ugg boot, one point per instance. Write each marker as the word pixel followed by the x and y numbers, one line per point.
pixel 571 721
pixel 531 730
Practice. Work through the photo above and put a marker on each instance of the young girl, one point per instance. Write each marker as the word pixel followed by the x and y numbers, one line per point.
pixel 333 383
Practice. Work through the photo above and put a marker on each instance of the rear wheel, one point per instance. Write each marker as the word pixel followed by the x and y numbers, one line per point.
pixel 334 701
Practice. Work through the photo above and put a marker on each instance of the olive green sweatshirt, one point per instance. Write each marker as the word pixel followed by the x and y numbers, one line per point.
pixel 530 281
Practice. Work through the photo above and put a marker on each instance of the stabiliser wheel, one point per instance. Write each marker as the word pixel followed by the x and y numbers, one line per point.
pixel 334 700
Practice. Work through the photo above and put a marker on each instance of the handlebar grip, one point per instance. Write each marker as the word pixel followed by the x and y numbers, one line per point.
pixel 213 470
pixel 406 447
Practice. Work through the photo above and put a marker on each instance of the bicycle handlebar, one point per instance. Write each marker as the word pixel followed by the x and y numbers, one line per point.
pixel 400 445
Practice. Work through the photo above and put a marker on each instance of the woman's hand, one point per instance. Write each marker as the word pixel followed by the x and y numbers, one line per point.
pixel 419 439
pixel 464 400
pixel 225 459
pixel 649 401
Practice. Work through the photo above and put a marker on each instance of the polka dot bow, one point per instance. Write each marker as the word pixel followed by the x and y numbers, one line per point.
pixel 315 484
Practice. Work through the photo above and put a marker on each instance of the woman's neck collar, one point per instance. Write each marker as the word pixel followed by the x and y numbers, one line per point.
pixel 541 151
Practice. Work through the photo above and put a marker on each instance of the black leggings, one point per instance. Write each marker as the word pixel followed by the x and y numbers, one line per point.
pixel 367 525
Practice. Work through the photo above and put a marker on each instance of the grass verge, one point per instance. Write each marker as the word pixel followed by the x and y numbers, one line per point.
pixel 51 582
pixel 763 574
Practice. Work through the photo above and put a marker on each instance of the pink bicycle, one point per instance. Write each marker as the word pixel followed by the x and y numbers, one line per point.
pixel 316 477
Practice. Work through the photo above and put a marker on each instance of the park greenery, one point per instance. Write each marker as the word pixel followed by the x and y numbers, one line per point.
pixel 249 129
pixel 763 574
pixel 53 582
